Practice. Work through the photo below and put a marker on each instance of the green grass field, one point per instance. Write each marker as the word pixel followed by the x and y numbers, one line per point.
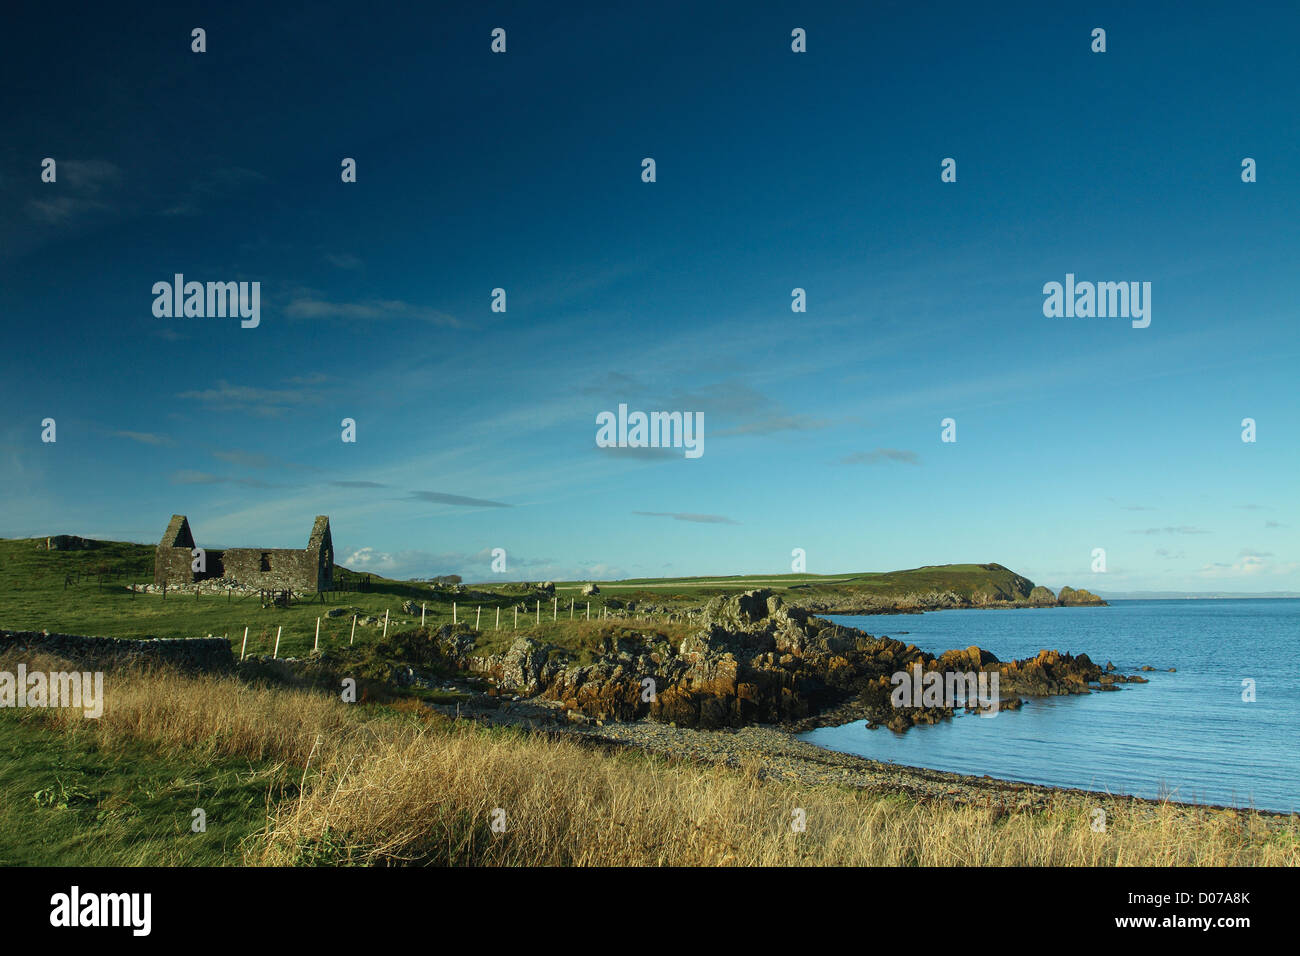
pixel 87 592
pixel 967 580
pixel 67 801
pixel 34 595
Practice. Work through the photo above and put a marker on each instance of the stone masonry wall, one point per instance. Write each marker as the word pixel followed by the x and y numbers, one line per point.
pixel 199 653
pixel 270 567
pixel 172 566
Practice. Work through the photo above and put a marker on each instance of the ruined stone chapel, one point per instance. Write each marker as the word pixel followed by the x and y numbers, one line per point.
pixel 311 569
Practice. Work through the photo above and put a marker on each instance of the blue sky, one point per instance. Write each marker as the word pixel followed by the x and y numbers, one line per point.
pixel 775 170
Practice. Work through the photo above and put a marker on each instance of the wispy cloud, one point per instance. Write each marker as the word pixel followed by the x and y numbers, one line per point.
pixel 58 210
pixel 343 260
pixel 1248 564
pixel 1181 529
pixel 642 454
pixel 211 187
pixel 358 484
pixel 249 398
pixel 247 459
pixel 373 310
pixel 144 438
pixel 685 516
pixel 879 455
pixel 476 566
pixel 91 176
pixel 743 409
pixel 78 191
pixel 461 501
pixel 771 424
pixel 613 383
pixel 204 478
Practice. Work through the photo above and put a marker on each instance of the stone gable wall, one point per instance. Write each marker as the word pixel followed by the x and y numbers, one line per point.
pixel 172 566
pixel 289 568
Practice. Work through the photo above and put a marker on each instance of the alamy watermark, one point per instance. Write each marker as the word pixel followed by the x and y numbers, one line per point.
pixel 53 689
pixel 970 689
pixel 1103 300
pixel 655 430
pixel 211 300
pixel 128 910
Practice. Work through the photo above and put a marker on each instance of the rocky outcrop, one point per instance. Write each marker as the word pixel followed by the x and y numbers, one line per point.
pixel 1050 674
pixel 754 659
pixel 1008 590
pixel 1069 597
pixel 1041 597
pixel 67 542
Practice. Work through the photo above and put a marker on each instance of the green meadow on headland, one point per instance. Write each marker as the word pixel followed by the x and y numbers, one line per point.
pixel 87 592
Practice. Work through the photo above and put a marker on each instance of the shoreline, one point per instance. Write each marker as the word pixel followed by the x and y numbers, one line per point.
pixel 876 611
pixel 784 757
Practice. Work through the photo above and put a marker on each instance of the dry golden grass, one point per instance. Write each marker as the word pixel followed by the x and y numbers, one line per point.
pixel 429 794
pixel 405 787
pixel 209 715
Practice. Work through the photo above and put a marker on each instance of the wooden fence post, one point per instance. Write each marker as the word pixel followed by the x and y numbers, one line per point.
pixel 498 627
pixel 385 624
pixel 245 645
pixel 589 610
pixel 539 610
pixel 453 613
pixel 354 630
pixel 478 611
pixel 276 653
pixel 421 614
pixel 317 645
pixel 555 609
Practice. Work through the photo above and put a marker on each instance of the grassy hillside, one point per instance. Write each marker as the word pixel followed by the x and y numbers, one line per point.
pixel 86 592
pixel 966 580
pixel 956 576
pixel 35 595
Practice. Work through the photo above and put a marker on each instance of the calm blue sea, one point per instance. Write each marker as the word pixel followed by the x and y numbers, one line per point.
pixel 1187 735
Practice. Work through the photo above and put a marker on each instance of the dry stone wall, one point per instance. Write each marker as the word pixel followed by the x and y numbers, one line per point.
pixel 193 654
